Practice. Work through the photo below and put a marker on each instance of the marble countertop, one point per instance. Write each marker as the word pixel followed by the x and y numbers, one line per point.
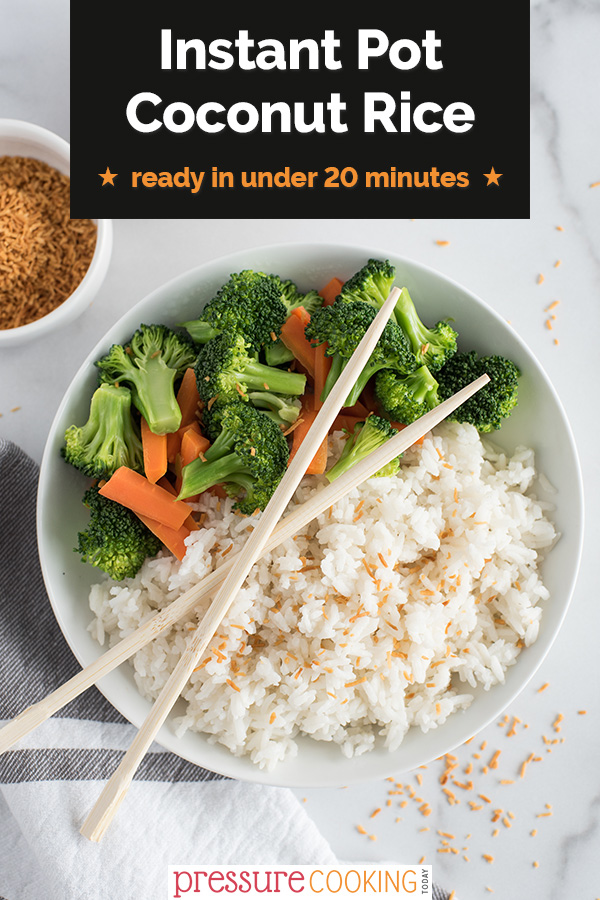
pixel 501 261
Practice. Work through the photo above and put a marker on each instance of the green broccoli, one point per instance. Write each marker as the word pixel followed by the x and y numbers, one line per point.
pixel 432 347
pixel 149 364
pixel 110 438
pixel 276 352
pixel 115 540
pixel 342 326
pixel 489 406
pixel 283 410
pixel 367 436
pixel 248 455
pixel 250 303
pixel 225 369
pixel 371 284
pixel 293 298
pixel 406 397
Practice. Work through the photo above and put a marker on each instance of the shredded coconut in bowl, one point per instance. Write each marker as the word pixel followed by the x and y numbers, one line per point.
pixel 383 614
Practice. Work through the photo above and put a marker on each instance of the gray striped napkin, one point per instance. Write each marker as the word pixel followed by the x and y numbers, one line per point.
pixel 175 813
pixel 28 625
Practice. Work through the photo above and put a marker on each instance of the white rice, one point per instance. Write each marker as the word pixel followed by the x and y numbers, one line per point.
pixel 382 615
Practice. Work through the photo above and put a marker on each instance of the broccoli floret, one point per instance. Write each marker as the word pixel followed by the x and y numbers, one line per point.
pixel 250 303
pixel 293 298
pixel 115 540
pixel 489 406
pixel 342 326
pixel 226 370
pixel 432 347
pixel 149 364
pixel 276 352
pixel 371 284
pixel 406 397
pixel 367 436
pixel 110 437
pixel 283 410
pixel 249 455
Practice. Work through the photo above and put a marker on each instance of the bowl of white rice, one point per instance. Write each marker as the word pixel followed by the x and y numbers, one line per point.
pixel 397 625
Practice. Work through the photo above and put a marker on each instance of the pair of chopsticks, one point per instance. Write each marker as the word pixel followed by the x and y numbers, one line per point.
pixel 230 576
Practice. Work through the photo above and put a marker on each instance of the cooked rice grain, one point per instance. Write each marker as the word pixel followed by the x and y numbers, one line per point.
pixel 360 627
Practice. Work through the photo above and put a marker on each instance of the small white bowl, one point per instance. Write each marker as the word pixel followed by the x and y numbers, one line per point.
pixel 19 138
pixel 539 421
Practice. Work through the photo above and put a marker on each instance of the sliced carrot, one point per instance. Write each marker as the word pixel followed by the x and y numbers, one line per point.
pixel 173 539
pixel 190 523
pixel 188 397
pixel 331 290
pixel 132 490
pixel 173 446
pixel 300 313
pixel 155 453
pixel 319 461
pixel 292 335
pixel 322 367
pixel 192 445
pixel 308 403
pixel 174 439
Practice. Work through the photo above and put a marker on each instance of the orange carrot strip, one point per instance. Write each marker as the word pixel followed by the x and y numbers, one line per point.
pixel 319 461
pixel 188 397
pixel 173 445
pixel 155 453
pixel 331 290
pixel 172 538
pixel 192 445
pixel 190 523
pixel 174 439
pixel 132 490
pixel 292 335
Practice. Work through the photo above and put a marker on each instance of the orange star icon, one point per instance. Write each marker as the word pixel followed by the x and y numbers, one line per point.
pixel 492 177
pixel 107 177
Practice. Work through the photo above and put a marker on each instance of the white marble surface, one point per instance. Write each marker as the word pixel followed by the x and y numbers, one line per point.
pixel 500 261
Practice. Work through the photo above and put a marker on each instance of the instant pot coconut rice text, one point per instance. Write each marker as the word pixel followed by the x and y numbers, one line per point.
pixel 382 615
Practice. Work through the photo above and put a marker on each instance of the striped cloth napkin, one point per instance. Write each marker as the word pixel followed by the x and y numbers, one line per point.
pixel 175 813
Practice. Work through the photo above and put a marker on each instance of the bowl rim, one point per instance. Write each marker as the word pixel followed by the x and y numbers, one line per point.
pixel 19 128
pixel 166 737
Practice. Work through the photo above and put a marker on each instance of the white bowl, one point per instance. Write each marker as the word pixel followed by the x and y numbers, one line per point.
pixel 19 138
pixel 539 422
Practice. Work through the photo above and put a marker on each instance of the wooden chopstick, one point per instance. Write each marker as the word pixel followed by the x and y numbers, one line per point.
pixel 290 525
pixel 112 796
